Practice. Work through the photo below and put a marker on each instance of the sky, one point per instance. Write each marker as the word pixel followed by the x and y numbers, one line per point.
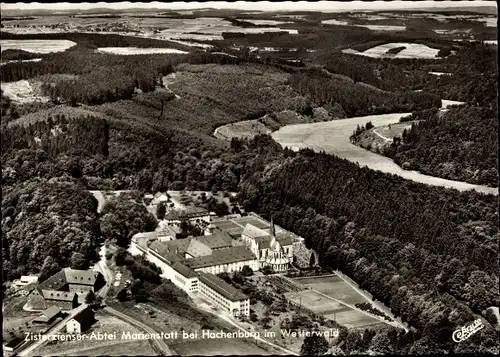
pixel 260 5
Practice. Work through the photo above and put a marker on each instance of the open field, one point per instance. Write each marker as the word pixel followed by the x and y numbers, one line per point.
pixel 138 51
pixel 37 46
pixel 105 324
pixel 21 92
pixel 412 50
pixel 333 138
pixel 243 129
pixel 119 348
pixel 213 347
pixel 331 309
pixel 265 22
pixel 333 286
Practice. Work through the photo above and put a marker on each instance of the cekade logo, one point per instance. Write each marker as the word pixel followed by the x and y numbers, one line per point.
pixel 467 331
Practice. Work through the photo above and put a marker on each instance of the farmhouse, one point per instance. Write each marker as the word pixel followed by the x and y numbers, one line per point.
pixel 64 288
pixel 81 322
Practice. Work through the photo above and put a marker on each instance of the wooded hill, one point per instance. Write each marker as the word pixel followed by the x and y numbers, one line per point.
pixel 428 253
pixel 460 144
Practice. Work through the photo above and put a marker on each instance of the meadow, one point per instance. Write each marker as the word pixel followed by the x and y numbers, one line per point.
pixel 37 46
pixel 222 347
pixel 411 50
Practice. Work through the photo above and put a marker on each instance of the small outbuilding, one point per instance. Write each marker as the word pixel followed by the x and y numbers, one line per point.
pixel 48 315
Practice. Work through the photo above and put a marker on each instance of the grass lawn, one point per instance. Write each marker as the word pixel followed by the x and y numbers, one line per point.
pixel 13 307
pixel 213 347
pixel 105 324
pixel 120 348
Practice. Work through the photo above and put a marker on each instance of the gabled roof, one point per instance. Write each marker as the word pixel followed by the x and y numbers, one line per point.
pixel 253 232
pixel 184 270
pixel 198 249
pixel 86 315
pixel 164 248
pixel 223 288
pixel 81 277
pixel 58 295
pixel 168 231
pixel 263 242
pixel 48 314
pixel 222 256
pixel 217 240
pixel 55 282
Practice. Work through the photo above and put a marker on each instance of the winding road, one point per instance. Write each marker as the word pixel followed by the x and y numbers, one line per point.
pixel 332 137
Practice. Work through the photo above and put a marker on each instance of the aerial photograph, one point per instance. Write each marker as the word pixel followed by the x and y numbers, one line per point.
pixel 249 178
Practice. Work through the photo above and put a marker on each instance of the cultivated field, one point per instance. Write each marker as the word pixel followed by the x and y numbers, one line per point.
pixel 412 50
pixel 213 347
pixel 265 22
pixel 331 309
pixel 333 138
pixel 37 46
pixel 138 51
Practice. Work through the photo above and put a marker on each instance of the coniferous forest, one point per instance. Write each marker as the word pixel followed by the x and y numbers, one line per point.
pixel 146 123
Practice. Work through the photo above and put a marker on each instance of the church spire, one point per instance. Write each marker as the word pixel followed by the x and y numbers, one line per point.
pixel 272 230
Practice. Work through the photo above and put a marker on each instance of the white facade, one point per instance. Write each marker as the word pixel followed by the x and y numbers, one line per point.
pixel 73 326
pixel 235 308
pixel 229 268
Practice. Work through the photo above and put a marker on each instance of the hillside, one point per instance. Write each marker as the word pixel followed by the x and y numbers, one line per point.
pixel 383 232
pixel 461 144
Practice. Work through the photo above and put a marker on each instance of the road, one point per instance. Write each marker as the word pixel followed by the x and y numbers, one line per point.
pixel 52 332
pixel 159 343
pixel 102 267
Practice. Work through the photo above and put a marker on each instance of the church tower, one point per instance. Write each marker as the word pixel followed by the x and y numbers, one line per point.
pixel 272 230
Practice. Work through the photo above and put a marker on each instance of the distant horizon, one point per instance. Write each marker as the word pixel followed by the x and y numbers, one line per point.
pixel 326 6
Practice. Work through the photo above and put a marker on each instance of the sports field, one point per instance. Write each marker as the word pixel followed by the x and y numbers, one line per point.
pixel 331 309
pixel 333 286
